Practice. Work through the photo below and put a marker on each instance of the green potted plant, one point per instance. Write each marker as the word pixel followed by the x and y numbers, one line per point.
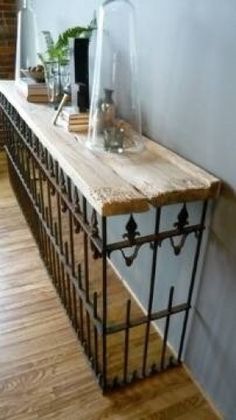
pixel 59 50
pixel 56 57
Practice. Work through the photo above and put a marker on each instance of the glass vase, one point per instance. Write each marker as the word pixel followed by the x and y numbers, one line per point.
pixel 64 70
pixel 52 77
pixel 115 117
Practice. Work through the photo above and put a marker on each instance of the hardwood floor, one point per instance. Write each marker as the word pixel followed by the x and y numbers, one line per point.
pixel 43 371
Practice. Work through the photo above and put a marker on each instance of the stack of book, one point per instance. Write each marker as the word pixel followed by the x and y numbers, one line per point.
pixel 33 91
pixel 75 122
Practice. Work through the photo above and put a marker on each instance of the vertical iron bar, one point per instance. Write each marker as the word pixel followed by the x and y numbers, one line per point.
pixel 151 292
pixel 31 175
pixel 50 206
pixel 86 276
pixel 17 152
pixel 63 282
pixel 41 241
pixel 49 219
pixel 167 324
pixel 191 287
pixel 72 256
pixel 75 315
pixel 34 182
pixel 59 209
pixel 59 222
pixel 51 251
pixel 68 280
pixel 47 237
pixel 104 302
pixel 21 158
pixel 126 358
pixel 81 305
pixel 44 241
pixel 58 260
pixel 54 266
pixel 95 306
pixel 28 170
pixel 41 192
pixel 86 271
pixel 47 259
pixel 71 230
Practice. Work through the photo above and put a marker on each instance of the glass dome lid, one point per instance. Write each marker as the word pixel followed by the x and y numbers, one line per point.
pixel 115 117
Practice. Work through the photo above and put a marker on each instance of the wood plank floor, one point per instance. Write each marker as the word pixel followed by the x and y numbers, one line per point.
pixel 43 371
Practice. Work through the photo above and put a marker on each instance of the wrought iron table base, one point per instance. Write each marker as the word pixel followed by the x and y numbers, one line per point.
pixel 70 236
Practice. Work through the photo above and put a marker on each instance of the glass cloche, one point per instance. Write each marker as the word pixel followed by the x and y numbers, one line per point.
pixel 115 117
pixel 26 48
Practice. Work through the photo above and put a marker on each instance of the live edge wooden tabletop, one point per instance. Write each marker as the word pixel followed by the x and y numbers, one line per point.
pixel 116 184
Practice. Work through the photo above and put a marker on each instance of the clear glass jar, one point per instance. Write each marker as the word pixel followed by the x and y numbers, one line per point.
pixel 26 45
pixel 115 117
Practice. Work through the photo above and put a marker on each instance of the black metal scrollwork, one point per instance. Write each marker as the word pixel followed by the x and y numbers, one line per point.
pixel 131 228
pixel 178 247
pixel 183 217
pixel 183 220
pixel 131 234
pixel 129 259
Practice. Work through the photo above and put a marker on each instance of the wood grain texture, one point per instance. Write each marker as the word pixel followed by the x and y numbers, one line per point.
pixel 43 371
pixel 117 184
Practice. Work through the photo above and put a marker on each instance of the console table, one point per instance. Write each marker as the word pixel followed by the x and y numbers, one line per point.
pixel 69 195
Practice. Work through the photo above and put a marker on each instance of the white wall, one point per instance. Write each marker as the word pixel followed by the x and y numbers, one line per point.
pixel 187 53
pixel 58 15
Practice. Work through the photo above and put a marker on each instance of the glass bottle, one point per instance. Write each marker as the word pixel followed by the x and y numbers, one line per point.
pixel 115 117
pixel 26 45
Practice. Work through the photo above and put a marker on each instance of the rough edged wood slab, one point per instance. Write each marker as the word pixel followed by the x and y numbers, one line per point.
pixel 163 176
pixel 116 184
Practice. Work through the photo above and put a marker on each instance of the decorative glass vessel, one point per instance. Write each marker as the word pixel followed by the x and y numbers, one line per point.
pixel 52 77
pixel 64 70
pixel 26 45
pixel 115 117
